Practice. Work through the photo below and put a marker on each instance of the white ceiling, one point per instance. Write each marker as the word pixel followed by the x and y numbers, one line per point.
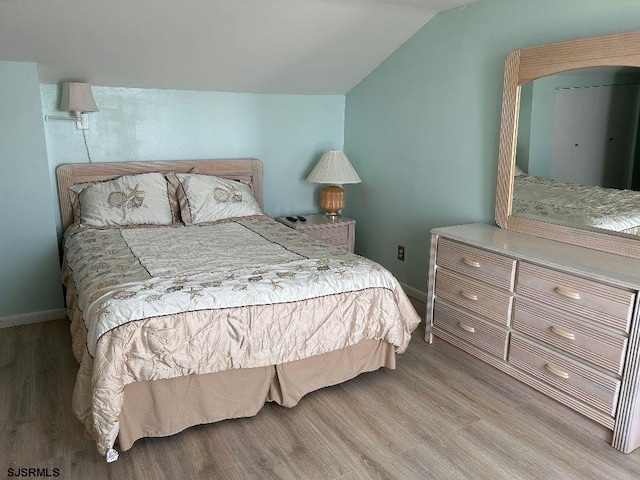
pixel 262 46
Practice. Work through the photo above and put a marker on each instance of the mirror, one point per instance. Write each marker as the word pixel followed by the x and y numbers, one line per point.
pixel 569 158
pixel 577 149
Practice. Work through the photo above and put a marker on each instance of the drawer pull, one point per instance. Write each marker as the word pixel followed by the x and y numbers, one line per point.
pixel 471 263
pixel 562 333
pixel 469 296
pixel 556 371
pixel 466 327
pixel 567 293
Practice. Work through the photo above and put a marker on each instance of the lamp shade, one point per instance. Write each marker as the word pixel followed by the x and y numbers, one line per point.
pixel 333 168
pixel 77 97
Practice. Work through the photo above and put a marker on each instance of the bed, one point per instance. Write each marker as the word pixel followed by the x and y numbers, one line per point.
pixel 607 208
pixel 177 325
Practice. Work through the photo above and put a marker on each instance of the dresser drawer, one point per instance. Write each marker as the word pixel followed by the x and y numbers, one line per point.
pixel 337 236
pixel 484 335
pixel 571 334
pixel 479 264
pixel 584 383
pixel 599 303
pixel 481 299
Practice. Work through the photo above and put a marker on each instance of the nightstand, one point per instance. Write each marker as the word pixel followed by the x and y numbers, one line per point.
pixel 339 231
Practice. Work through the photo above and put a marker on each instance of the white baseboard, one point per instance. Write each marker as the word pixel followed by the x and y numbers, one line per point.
pixel 414 292
pixel 33 317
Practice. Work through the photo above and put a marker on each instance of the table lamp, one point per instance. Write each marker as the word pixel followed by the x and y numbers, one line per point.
pixel 333 168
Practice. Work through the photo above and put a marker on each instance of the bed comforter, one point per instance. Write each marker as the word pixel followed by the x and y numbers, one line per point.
pixel 162 302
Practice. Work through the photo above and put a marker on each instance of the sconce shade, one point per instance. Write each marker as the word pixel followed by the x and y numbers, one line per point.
pixel 77 97
pixel 333 168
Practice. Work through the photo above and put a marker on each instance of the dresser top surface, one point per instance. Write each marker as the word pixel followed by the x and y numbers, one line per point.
pixel 605 266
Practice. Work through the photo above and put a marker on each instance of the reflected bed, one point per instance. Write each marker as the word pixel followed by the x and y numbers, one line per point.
pixel 573 204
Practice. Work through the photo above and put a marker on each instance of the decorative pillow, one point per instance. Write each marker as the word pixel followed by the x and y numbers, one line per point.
pixel 207 198
pixel 176 190
pixel 74 194
pixel 128 200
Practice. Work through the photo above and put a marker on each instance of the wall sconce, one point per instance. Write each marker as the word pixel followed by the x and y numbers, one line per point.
pixel 77 98
pixel 333 168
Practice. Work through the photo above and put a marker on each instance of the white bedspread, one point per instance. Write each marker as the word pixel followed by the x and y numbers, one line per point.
pixel 164 271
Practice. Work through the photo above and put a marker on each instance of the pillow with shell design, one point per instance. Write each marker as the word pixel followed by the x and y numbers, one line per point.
pixel 207 198
pixel 128 200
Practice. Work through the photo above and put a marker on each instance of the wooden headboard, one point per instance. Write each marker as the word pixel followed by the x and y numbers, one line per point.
pixel 71 173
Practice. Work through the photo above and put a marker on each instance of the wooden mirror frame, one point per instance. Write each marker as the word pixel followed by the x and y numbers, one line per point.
pixel 525 65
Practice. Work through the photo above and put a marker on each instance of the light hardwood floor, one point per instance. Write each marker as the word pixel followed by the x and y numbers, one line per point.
pixel 441 414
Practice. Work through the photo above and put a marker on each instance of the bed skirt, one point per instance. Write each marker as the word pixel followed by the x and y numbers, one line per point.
pixel 160 408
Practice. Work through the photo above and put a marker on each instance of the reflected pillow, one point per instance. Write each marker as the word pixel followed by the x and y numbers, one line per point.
pixel 207 198
pixel 128 200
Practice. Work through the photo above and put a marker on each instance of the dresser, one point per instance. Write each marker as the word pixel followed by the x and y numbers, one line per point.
pixel 337 231
pixel 559 318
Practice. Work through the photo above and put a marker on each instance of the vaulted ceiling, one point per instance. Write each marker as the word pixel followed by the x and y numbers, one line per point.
pixel 262 46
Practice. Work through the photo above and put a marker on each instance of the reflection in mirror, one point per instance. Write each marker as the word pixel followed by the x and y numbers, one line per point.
pixel 578 149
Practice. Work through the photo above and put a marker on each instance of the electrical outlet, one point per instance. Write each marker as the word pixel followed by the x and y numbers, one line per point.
pixel 401 253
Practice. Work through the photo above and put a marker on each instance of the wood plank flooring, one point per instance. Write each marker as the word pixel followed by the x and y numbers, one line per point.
pixel 441 414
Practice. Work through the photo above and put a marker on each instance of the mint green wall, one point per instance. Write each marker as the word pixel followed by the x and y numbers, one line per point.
pixel 523 143
pixel 422 129
pixel 29 278
pixel 288 133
